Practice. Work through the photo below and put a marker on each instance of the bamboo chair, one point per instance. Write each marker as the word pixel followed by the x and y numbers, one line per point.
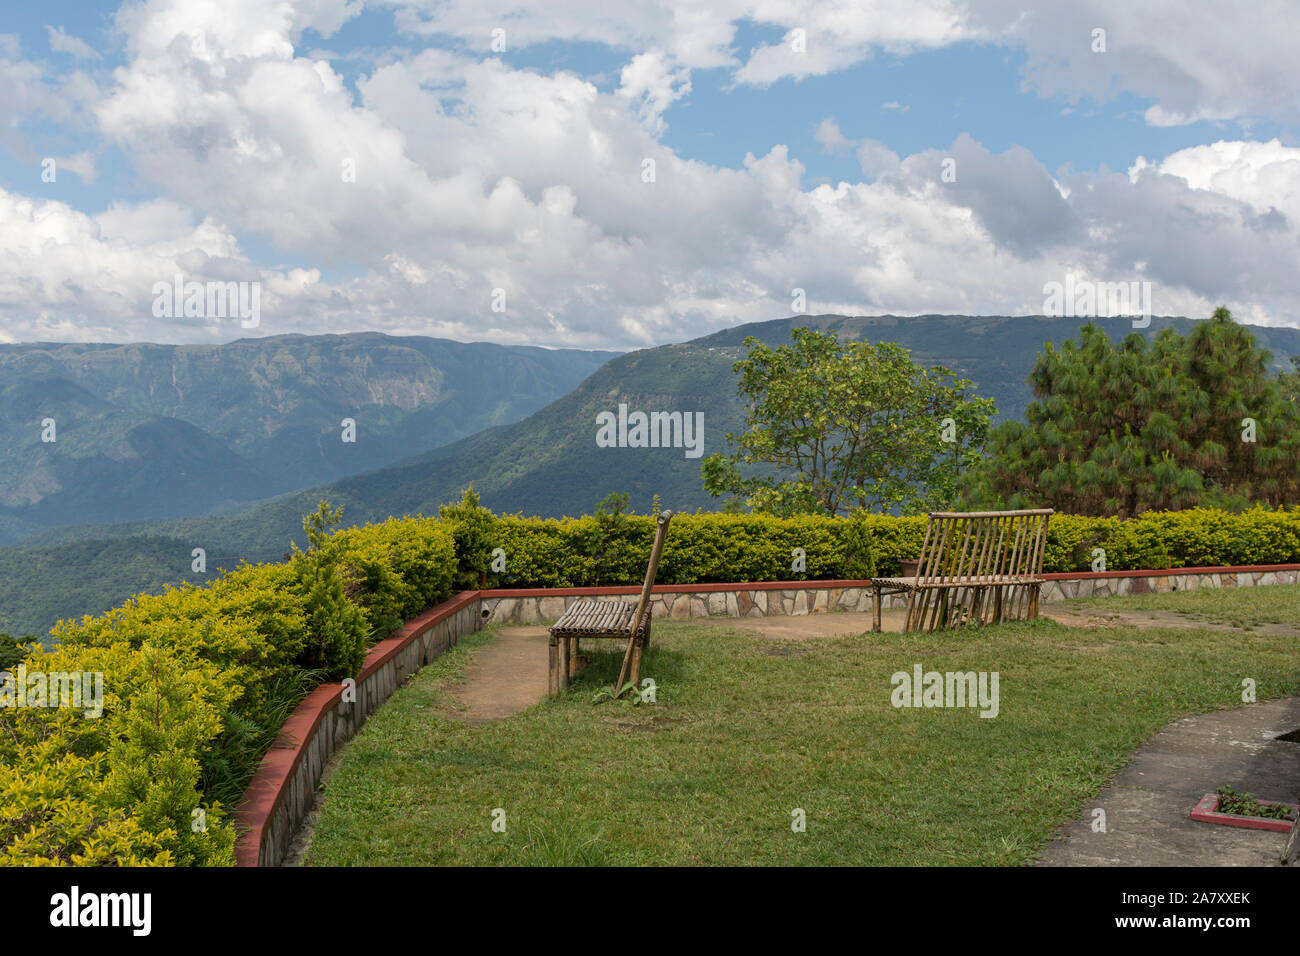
pixel 977 567
pixel 619 620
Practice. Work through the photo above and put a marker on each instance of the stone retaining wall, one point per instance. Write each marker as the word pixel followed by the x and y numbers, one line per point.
pixel 766 599
pixel 283 788
pixel 504 607
pixel 1061 587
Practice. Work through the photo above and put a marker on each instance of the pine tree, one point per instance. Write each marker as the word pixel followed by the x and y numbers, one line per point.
pixel 1122 428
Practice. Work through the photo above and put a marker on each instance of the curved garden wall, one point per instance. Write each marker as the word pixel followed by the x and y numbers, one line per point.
pixel 281 791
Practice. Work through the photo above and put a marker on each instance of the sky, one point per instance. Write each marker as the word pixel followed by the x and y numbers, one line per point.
pixel 616 175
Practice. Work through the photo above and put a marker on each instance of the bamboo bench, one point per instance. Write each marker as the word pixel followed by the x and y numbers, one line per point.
pixel 619 620
pixel 977 567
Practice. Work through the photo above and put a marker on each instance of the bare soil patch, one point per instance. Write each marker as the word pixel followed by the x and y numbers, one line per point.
pixel 505 676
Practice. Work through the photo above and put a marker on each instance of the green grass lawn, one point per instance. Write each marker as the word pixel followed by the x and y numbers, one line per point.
pixel 1240 607
pixel 747 729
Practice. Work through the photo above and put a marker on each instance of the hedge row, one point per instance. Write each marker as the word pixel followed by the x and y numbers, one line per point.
pixel 576 552
pixel 196 683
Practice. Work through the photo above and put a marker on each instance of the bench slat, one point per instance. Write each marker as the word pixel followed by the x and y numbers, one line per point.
pixel 588 617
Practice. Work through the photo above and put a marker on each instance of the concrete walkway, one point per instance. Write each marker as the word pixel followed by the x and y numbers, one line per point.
pixel 1147 806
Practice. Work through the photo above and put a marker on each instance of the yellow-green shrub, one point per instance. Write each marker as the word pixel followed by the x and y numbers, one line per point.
pixel 401 567
pixel 701 548
pixel 196 682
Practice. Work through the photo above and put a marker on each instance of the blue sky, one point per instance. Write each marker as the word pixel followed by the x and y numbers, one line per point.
pixel 519 170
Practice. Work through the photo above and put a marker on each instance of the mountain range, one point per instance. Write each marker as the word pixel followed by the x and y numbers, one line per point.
pixel 105 433
pixel 545 463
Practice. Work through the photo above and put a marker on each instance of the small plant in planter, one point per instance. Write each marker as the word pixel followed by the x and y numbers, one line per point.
pixel 1229 807
pixel 1245 805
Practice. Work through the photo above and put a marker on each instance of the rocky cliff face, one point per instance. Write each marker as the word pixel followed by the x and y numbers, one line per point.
pixel 120 432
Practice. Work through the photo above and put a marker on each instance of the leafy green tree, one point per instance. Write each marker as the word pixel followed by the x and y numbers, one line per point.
pixel 834 426
pixel 1121 428
pixel 474 528
pixel 613 505
pixel 338 627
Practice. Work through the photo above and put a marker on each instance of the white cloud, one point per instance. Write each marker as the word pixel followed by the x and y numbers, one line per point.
pixel 1266 175
pixel 61 42
pixel 1199 59
pixel 875 158
pixel 66 275
pixel 649 81
pixel 83 164
pixel 471 175
pixel 22 90
pixel 831 139
pixel 28 91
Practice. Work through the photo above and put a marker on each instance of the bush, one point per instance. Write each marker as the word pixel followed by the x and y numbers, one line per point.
pixel 702 548
pixel 474 529
pixel 396 568
pixel 197 682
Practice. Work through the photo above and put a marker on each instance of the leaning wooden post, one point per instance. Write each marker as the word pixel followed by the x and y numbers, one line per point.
pixel 642 614
pixel 552 671
pixel 565 661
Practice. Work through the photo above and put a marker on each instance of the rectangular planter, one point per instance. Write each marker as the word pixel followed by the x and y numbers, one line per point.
pixel 1207 811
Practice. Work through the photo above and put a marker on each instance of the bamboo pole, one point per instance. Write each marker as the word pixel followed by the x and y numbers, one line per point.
pixel 914 596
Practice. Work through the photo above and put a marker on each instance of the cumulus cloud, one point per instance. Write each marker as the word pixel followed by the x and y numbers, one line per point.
pixel 1266 175
pixel 830 137
pixel 821 37
pixel 1012 195
pixel 448 174
pixel 650 82
pixel 80 278
pixel 875 158
pixel 1199 59
pixel 62 42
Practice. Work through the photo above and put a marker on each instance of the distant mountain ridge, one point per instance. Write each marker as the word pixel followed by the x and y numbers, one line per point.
pixel 160 431
pixel 549 463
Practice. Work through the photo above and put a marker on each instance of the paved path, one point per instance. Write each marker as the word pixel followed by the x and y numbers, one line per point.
pixel 1147 806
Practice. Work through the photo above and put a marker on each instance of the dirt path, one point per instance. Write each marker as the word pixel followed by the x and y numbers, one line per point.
pixel 506 675
pixel 807 627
